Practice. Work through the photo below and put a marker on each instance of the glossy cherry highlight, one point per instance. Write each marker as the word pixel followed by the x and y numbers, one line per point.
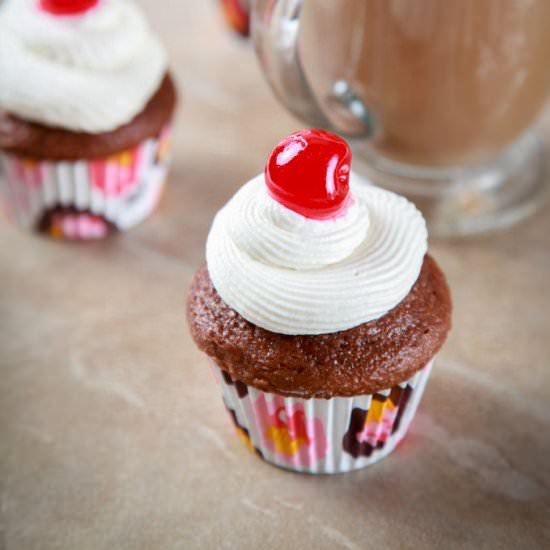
pixel 67 7
pixel 308 172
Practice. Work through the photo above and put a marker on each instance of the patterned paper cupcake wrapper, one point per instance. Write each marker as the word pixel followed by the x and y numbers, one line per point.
pixel 237 15
pixel 86 199
pixel 322 436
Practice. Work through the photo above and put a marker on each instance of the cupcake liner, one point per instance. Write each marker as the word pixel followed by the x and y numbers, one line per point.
pixel 322 436
pixel 85 199
pixel 237 15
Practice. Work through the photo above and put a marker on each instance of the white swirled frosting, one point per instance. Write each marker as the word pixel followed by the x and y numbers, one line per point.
pixel 92 73
pixel 294 275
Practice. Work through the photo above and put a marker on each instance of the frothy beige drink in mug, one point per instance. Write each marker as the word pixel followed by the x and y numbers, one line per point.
pixel 442 91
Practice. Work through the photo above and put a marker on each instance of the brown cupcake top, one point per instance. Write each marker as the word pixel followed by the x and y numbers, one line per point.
pixel 362 360
pixel 36 141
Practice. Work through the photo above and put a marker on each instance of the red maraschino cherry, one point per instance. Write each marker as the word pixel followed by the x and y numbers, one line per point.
pixel 308 172
pixel 67 7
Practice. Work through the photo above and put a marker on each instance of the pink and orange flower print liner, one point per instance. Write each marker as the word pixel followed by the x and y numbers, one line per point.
pixel 322 435
pixel 87 199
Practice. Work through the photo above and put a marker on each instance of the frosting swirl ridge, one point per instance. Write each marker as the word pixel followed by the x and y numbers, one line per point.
pixel 92 72
pixel 294 275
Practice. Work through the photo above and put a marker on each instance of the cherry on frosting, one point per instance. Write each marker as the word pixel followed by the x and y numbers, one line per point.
pixel 67 7
pixel 308 172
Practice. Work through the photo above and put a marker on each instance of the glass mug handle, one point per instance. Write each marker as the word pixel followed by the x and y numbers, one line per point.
pixel 275 31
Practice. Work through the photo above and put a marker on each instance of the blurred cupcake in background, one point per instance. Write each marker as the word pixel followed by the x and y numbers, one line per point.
pixel 86 102
pixel 237 15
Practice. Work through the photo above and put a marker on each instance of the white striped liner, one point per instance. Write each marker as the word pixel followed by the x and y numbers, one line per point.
pixel 67 183
pixel 334 414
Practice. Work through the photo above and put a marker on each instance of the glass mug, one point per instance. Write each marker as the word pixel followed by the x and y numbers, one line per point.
pixel 438 97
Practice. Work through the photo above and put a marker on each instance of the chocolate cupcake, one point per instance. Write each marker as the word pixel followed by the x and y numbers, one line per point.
pixel 86 103
pixel 320 310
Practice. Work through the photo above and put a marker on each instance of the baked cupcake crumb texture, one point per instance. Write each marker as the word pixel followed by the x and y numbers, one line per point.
pixel 317 284
pixel 361 360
